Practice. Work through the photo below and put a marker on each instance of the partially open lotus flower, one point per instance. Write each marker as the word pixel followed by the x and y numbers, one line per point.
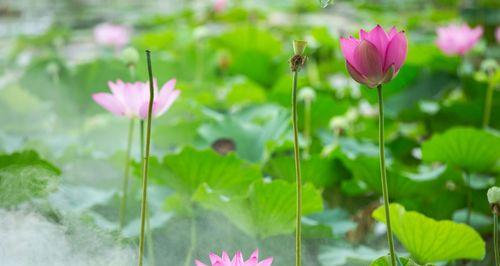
pixel 457 39
pixel 116 36
pixel 237 260
pixel 132 99
pixel 376 57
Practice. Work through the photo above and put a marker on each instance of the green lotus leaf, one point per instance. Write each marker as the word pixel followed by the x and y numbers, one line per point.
pixel 186 171
pixel 268 210
pixel 23 176
pixel 472 150
pixel 321 172
pixel 429 240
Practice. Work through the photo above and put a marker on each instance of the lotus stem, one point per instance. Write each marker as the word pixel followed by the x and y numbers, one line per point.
pixel 146 160
pixel 298 177
pixel 149 232
pixel 488 103
pixel 495 238
pixel 126 174
pixel 383 176
pixel 296 62
pixel 192 244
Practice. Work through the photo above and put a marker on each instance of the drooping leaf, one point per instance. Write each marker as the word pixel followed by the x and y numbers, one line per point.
pixel 429 240
pixel 24 176
pixel 268 210
pixel 469 149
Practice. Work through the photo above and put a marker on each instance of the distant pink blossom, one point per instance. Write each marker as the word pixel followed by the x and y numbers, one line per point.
pixel 237 260
pixel 376 57
pixel 112 35
pixel 497 34
pixel 220 5
pixel 457 39
pixel 132 99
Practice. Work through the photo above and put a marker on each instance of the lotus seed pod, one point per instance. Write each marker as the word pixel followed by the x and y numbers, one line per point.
pixel 130 56
pixel 307 94
pixel 494 195
pixel 299 47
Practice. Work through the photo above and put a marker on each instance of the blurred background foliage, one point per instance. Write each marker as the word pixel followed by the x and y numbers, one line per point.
pixel 232 69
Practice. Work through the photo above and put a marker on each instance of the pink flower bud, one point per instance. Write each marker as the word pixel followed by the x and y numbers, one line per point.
pixel 376 57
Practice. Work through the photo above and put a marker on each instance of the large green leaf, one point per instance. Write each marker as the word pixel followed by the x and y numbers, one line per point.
pixel 317 170
pixel 23 176
pixel 268 210
pixel 186 171
pixel 429 240
pixel 470 149
pixel 252 129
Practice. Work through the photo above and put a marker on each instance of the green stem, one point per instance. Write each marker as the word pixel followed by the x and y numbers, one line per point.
pixel 307 125
pixel 495 239
pixel 487 104
pixel 146 160
pixel 298 180
pixel 131 70
pixel 126 174
pixel 192 244
pixel 149 232
pixel 469 198
pixel 383 175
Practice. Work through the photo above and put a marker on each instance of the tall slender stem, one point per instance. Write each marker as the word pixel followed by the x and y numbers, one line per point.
pixel 495 239
pixel 146 160
pixel 383 175
pixel 126 174
pixel 487 103
pixel 469 198
pixel 298 177
pixel 192 244
pixel 149 232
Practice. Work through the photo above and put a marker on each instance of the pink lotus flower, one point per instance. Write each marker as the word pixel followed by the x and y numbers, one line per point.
pixel 376 57
pixel 457 39
pixel 497 34
pixel 132 99
pixel 112 35
pixel 237 260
